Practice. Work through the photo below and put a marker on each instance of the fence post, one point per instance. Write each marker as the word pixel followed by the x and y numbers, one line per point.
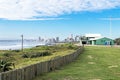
pixel 0 76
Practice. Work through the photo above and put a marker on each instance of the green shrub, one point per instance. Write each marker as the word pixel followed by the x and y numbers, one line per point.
pixel 39 54
pixel 46 53
pixel 70 47
pixel 5 65
pixel 25 55
pixel 16 50
pixel 7 54
pixel 35 54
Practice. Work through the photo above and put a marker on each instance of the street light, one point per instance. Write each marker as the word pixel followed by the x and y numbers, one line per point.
pixel 22 43
pixel 110 27
pixel 80 41
pixel 110 19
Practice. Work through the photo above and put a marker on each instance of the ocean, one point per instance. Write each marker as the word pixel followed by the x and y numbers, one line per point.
pixel 16 44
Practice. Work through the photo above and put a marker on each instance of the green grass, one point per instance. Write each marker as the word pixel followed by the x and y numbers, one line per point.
pixel 96 63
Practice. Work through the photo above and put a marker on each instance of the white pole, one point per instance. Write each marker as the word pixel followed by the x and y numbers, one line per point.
pixel 80 41
pixel 22 43
pixel 110 27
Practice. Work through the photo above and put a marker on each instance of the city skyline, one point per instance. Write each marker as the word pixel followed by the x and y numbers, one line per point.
pixel 58 18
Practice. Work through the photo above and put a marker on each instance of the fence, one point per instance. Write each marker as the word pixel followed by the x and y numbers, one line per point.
pixel 30 72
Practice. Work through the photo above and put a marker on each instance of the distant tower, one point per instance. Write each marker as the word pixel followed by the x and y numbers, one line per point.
pixel 110 27
pixel 22 42
pixel 110 24
pixel 72 36
pixel 57 39
pixel 80 41
pixel 76 38
pixel 70 39
pixel 39 38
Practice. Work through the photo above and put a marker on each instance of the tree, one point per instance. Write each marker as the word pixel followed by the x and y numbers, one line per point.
pixel 5 65
pixel 83 39
pixel 117 41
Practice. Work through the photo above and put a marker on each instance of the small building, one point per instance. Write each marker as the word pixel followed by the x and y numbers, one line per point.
pixel 101 41
pixel 92 36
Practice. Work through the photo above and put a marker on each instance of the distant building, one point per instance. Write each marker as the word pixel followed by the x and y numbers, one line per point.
pixel 42 40
pixel 57 39
pixel 69 39
pixel 88 37
pixel 39 38
pixel 101 41
pixel 65 40
pixel 77 38
pixel 92 36
pixel 53 40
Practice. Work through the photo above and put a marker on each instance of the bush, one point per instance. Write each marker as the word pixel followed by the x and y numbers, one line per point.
pixel 39 54
pixel 6 54
pixel 5 65
pixel 16 50
pixel 117 41
pixel 70 47
pixel 25 55
pixel 35 54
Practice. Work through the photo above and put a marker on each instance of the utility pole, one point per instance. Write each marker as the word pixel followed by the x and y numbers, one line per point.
pixel 110 19
pixel 22 43
pixel 110 27
pixel 80 43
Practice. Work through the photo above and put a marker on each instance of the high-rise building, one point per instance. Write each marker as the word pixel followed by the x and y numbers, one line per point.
pixel 39 38
pixel 57 39
pixel 76 38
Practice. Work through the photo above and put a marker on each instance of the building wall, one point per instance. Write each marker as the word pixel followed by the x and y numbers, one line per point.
pixel 104 41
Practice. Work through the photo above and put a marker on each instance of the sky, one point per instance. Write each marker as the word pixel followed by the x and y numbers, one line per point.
pixel 58 18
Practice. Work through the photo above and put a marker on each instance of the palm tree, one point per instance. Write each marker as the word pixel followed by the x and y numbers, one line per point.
pixel 5 65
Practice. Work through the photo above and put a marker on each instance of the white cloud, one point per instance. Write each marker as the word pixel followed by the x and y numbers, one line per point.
pixel 50 9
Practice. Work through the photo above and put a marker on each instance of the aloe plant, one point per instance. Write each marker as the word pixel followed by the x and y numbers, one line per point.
pixel 5 65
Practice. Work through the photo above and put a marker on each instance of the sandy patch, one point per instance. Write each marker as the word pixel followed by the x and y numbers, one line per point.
pixel 91 62
pixel 96 79
pixel 113 66
pixel 117 73
pixel 90 57
pixel 68 78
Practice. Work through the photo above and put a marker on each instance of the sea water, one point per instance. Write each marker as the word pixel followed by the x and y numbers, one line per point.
pixel 17 44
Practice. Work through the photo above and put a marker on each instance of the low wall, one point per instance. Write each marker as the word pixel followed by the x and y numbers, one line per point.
pixel 30 72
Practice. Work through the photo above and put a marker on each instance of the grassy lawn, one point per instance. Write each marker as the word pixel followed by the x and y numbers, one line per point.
pixel 96 63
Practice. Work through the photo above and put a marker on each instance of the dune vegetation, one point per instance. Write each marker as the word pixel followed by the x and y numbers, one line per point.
pixel 34 55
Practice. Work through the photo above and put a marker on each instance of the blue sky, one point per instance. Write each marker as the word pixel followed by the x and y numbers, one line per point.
pixel 60 22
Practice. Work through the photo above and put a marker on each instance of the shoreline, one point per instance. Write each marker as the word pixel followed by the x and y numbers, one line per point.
pixel 19 47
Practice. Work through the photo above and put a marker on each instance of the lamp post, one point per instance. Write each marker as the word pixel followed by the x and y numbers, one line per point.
pixel 80 41
pixel 110 19
pixel 22 43
pixel 110 27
